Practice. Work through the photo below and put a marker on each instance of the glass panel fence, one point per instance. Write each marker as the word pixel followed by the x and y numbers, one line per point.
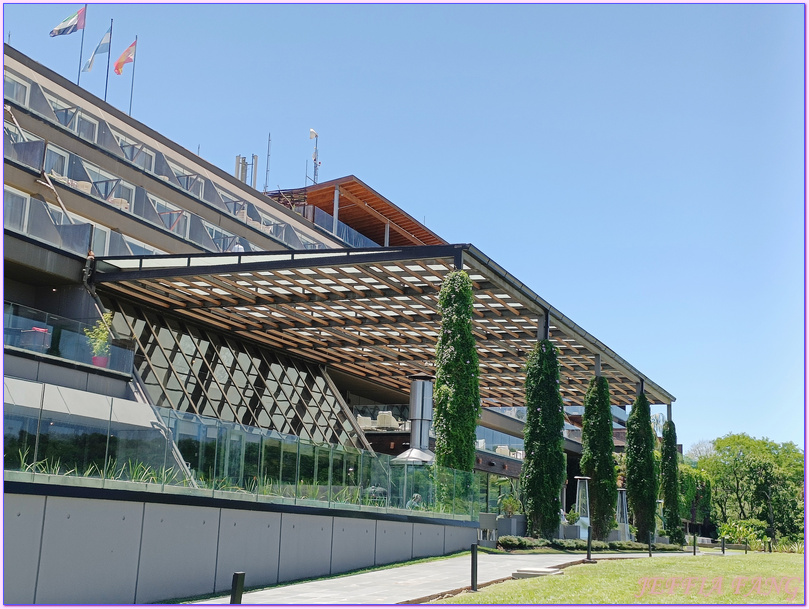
pixel 105 442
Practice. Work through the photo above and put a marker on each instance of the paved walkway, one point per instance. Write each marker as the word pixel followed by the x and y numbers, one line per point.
pixel 410 583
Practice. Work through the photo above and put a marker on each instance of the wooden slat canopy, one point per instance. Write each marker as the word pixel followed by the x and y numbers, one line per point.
pixel 371 313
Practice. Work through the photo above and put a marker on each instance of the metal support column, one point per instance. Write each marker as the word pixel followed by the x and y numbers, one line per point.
pixel 668 411
pixel 598 364
pixel 336 210
pixel 544 326
pixel 387 234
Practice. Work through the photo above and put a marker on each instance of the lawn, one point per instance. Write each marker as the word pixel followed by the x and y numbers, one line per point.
pixel 754 578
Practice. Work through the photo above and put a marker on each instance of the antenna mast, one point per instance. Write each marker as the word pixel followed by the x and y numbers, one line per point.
pixel 313 135
pixel 267 172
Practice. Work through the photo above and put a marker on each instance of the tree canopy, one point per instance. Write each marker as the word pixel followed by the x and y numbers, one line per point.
pixel 757 479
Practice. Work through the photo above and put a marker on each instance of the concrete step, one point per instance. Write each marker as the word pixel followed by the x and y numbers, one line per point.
pixel 538 572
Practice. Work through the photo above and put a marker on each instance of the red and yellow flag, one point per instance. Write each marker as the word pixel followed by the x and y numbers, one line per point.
pixel 126 57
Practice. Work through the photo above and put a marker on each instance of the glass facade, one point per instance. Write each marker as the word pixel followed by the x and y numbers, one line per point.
pixel 195 370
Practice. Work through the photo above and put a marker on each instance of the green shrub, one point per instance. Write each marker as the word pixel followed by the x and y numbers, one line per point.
pixel 543 470
pixel 596 456
pixel 641 477
pixel 572 516
pixel 670 484
pixel 511 542
pixel 530 542
pixel 628 545
pixel 457 394
pixel 667 547
pixel 578 544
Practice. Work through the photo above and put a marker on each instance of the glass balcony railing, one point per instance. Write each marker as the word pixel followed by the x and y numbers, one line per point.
pixel 32 217
pixel 114 443
pixel 41 332
pixel 326 221
pixel 32 151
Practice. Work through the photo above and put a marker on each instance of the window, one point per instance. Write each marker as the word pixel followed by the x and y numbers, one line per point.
pixel 15 207
pixel 124 191
pixel 139 248
pixel 56 161
pixel 14 89
pixel 99 245
pixel 87 128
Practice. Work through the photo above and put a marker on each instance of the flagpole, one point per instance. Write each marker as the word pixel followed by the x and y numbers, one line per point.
pixel 109 55
pixel 78 78
pixel 132 86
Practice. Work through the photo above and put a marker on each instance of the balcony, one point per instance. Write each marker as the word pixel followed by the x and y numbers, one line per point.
pixel 44 333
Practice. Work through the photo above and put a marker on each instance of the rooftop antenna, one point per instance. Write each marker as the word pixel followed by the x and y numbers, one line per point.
pixel 267 172
pixel 313 135
pixel 241 169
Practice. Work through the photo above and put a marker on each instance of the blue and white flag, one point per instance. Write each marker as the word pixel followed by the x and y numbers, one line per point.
pixel 72 24
pixel 103 47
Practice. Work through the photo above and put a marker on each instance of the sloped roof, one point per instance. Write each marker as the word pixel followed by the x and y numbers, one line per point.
pixel 363 209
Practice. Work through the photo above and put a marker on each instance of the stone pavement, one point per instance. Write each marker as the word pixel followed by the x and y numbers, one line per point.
pixel 411 583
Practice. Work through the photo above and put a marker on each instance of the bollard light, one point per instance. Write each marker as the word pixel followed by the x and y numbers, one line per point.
pixel 650 544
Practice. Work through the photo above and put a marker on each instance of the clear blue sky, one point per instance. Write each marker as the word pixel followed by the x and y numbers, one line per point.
pixel 641 167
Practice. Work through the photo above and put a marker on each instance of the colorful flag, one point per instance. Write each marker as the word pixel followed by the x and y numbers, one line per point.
pixel 73 23
pixel 126 57
pixel 103 47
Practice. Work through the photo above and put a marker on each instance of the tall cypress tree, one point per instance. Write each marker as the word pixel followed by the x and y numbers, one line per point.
pixel 641 481
pixel 457 395
pixel 671 485
pixel 596 456
pixel 543 470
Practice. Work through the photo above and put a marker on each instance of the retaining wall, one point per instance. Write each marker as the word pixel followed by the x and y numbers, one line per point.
pixel 74 545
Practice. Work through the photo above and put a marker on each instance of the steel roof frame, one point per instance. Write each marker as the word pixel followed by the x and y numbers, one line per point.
pixel 373 313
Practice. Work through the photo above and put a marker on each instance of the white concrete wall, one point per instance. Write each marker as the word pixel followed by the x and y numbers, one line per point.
pixel 66 550
pixel 353 543
pixel 22 534
pixel 249 542
pixel 428 540
pixel 394 542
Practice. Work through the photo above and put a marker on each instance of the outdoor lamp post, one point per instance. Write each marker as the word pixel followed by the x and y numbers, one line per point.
pixel 622 516
pixel 583 503
pixel 660 510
